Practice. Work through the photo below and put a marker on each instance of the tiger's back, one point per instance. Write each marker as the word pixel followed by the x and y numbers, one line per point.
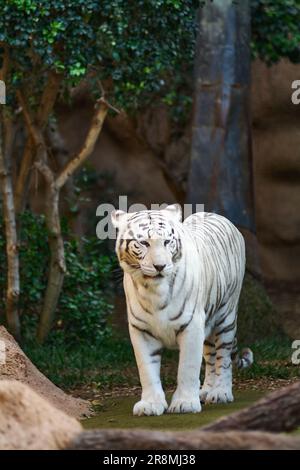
pixel 221 250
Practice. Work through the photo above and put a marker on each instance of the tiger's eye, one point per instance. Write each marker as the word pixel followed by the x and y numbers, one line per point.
pixel 166 242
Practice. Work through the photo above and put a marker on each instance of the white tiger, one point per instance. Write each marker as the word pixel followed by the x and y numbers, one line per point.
pixel 182 283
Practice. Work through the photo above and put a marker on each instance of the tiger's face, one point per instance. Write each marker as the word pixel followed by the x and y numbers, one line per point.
pixel 148 243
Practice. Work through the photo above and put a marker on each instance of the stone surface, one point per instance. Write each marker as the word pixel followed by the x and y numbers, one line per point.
pixel 28 422
pixel 150 164
pixel 276 143
pixel 16 366
pixel 147 159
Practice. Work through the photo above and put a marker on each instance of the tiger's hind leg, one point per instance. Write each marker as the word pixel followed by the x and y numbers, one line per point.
pixel 225 330
pixel 209 353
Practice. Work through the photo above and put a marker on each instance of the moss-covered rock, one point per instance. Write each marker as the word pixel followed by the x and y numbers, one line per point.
pixel 257 316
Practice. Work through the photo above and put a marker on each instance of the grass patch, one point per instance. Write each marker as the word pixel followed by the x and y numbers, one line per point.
pixel 102 362
pixel 117 413
pixel 110 362
pixel 272 359
pixel 256 315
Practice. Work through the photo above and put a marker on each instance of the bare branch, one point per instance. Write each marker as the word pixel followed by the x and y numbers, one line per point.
pixel 13 277
pixel 38 140
pixel 89 144
pixel 31 127
pixel 25 166
pixel 5 62
pixel 47 102
pixel 45 171
pixel 48 98
pixel 101 88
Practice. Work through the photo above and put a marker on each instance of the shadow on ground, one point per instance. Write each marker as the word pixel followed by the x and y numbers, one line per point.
pixel 117 413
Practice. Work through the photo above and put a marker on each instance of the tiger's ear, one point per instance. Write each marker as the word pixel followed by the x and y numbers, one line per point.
pixel 174 212
pixel 118 218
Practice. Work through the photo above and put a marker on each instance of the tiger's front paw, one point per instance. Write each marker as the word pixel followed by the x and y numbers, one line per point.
pixel 185 405
pixel 219 395
pixel 204 392
pixel 149 408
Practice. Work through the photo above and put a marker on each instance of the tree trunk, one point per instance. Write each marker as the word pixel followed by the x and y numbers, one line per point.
pixel 57 266
pixel 221 158
pixel 13 278
pixel 54 185
pixel 279 411
pixel 23 176
pixel 124 439
pixel 61 156
pixel 47 102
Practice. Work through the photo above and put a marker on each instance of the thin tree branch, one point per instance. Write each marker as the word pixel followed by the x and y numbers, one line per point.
pixel 32 128
pixel 89 144
pixel 13 275
pixel 48 98
pixel 5 62
pixel 38 140
pixel 47 102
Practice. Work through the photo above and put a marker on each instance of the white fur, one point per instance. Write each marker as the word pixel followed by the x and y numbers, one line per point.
pixel 194 300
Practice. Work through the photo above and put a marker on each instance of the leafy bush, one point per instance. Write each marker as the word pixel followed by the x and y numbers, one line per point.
pixel 275 30
pixel 130 45
pixel 257 315
pixel 83 306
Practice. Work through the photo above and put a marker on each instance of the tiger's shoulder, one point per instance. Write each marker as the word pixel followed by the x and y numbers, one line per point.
pixel 214 229
pixel 209 220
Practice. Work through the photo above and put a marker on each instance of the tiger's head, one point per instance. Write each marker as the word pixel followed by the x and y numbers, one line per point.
pixel 148 242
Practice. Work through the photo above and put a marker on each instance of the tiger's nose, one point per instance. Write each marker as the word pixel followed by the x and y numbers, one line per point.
pixel 159 267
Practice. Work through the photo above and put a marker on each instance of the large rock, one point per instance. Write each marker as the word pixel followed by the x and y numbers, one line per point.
pixel 138 439
pixel 147 159
pixel 149 163
pixel 14 365
pixel 276 143
pixel 28 422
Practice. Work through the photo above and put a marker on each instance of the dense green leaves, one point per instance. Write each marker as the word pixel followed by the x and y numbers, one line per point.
pixel 83 306
pixel 141 49
pixel 276 29
pixel 138 48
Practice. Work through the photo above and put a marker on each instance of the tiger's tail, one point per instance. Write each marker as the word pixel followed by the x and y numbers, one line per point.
pixel 244 359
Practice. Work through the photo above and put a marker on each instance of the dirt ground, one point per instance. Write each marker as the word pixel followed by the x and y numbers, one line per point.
pixel 93 393
pixel 116 412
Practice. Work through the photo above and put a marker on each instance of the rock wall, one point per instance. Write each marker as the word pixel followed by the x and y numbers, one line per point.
pixel 147 159
pixel 276 149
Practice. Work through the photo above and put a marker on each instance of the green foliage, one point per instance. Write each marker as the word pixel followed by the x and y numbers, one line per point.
pixel 141 50
pixel 110 361
pixel 256 316
pixel 83 306
pixel 129 45
pixel 104 362
pixel 275 29
pixel 272 359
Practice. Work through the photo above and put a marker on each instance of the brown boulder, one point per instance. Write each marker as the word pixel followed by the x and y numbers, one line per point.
pixel 28 422
pixel 276 141
pixel 16 366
